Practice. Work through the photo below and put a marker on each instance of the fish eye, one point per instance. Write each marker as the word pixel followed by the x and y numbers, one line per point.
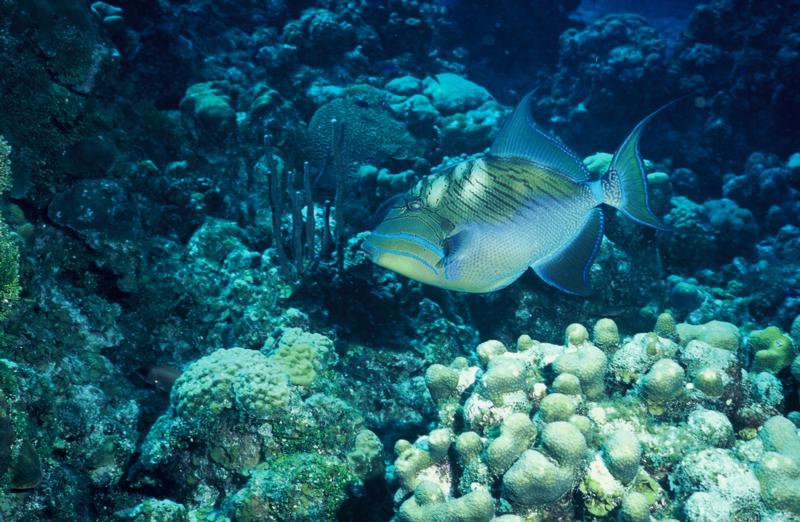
pixel 414 204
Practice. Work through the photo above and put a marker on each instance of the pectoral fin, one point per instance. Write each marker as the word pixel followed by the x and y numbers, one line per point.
pixel 453 250
pixel 568 269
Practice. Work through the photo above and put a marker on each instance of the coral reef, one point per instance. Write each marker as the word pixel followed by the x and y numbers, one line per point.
pixel 158 362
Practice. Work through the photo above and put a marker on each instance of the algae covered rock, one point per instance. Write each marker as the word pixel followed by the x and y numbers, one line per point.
pixel 451 93
pixel 296 487
pixel 239 413
pixel 636 356
pixel 701 471
pixel 716 333
pixel 153 510
pixel 99 210
pixel 470 131
pixel 208 112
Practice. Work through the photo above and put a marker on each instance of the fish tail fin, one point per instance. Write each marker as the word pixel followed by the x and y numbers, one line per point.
pixel 624 185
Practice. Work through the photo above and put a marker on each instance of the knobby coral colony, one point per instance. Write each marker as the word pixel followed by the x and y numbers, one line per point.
pixel 666 424
pixel 193 328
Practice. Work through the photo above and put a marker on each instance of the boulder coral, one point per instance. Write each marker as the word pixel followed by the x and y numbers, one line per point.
pixel 257 416
pixel 551 431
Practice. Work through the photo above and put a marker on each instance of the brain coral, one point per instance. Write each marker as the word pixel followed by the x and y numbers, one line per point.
pixel 371 134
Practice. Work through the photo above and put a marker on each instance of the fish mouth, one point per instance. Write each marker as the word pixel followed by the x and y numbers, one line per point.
pixel 387 257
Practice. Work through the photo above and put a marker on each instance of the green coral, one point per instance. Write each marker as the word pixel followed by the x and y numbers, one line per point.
pixel 446 384
pixel 710 382
pixel 503 380
pixel 557 406
pixel 9 252
pixel 779 476
pixel 567 384
pixel 517 433
pixel 442 383
pixel 622 453
pixel 588 363
pixel 635 508
pixel 410 461
pixel 536 480
pixel 366 458
pixel 607 448
pixel 429 503
pixel 229 378
pixel 293 488
pixel 666 326
pixel 664 382
pixel 597 164
pixel 576 334
pixel 303 355
pixel 773 349
pixel 605 335
pixel 207 109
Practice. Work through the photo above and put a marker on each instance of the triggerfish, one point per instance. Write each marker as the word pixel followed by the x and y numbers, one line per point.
pixel 530 202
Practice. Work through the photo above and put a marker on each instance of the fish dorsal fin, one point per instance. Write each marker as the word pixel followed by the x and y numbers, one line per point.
pixel 521 138
pixel 568 269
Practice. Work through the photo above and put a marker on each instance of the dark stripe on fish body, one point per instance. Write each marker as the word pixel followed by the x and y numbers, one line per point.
pixel 514 197
pixel 509 204
pixel 513 193
pixel 501 204
pixel 489 208
pixel 494 200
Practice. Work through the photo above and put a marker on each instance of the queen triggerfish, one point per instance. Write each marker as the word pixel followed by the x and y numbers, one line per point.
pixel 530 202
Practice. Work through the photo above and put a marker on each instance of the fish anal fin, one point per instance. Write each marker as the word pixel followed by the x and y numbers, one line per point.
pixel 568 269
pixel 521 138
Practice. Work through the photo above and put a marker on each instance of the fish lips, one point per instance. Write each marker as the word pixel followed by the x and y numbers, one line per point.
pixel 401 245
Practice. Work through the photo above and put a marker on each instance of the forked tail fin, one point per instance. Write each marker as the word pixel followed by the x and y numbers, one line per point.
pixel 624 185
